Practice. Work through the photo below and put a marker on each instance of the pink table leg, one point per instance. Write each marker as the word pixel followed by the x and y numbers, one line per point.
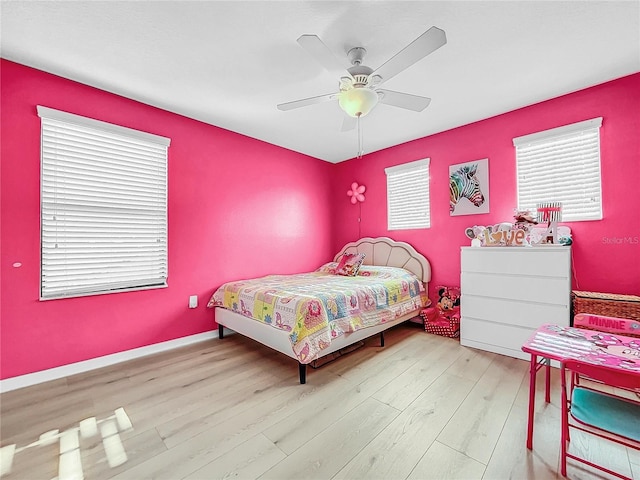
pixel 565 420
pixel 532 399
pixel 547 384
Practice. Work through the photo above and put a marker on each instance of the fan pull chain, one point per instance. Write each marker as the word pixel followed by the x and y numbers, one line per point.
pixel 360 140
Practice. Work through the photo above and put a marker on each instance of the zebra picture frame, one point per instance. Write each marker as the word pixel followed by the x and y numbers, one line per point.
pixel 469 188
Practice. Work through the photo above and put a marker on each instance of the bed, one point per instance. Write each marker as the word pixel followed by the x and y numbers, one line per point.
pixel 312 315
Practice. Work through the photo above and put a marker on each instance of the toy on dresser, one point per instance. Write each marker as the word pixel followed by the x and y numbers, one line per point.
pixel 444 318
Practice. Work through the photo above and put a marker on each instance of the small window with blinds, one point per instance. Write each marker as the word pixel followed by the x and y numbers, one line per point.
pixel 103 207
pixel 408 196
pixel 561 165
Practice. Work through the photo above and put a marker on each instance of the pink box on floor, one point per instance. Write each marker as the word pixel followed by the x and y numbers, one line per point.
pixel 445 326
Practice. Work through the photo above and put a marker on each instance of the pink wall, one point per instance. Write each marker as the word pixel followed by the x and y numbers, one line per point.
pixel 238 207
pixel 606 253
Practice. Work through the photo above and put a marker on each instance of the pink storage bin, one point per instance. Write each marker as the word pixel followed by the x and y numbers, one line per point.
pixel 445 326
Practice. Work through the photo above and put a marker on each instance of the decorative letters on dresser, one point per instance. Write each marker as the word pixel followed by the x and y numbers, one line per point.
pixel 508 292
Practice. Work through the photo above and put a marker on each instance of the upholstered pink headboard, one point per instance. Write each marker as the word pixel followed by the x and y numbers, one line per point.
pixel 384 251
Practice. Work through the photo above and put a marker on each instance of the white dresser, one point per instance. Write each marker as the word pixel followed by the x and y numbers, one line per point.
pixel 508 292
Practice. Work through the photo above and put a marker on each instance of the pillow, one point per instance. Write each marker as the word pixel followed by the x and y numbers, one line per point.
pixel 328 268
pixel 379 271
pixel 350 264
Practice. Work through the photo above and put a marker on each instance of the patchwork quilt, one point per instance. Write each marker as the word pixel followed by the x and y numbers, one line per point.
pixel 319 306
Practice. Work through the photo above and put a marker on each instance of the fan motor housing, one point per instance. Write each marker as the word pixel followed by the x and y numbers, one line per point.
pixel 356 55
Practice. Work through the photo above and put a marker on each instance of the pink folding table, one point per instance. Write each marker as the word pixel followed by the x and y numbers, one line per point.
pixel 553 342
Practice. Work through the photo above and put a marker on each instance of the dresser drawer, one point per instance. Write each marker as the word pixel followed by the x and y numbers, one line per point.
pixel 513 312
pixel 513 287
pixel 532 261
pixel 499 338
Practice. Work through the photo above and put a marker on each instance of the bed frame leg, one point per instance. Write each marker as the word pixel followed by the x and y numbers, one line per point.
pixel 303 373
pixel 382 339
pixel 220 331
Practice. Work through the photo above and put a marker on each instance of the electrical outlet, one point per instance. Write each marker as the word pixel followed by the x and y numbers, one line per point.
pixel 193 301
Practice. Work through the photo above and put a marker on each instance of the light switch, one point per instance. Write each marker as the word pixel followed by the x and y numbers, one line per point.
pixel 193 301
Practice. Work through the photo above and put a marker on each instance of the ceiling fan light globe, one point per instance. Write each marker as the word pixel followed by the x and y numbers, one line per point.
pixel 358 102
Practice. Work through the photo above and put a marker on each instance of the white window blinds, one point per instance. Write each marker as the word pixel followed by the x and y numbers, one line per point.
pixel 562 165
pixel 103 207
pixel 408 196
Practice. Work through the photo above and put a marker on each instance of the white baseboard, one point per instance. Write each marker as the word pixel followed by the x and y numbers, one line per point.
pixel 29 379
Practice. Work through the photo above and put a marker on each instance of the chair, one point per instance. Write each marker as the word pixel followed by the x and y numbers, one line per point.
pixel 609 326
pixel 595 412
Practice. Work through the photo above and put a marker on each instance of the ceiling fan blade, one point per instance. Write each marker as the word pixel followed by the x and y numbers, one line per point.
pixel 404 100
pixel 422 46
pixel 348 123
pixel 307 101
pixel 318 50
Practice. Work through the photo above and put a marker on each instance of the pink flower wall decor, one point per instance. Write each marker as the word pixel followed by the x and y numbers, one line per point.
pixel 356 193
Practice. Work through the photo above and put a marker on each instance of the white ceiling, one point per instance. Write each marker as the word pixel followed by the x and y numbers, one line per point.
pixel 229 63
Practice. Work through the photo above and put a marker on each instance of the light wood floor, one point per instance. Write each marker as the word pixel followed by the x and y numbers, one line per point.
pixel 422 407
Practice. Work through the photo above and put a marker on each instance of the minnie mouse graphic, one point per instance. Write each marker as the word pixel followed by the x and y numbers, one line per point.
pixel 619 353
pixel 605 349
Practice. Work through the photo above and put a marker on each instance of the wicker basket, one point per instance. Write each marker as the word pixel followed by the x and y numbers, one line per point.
pixel 607 304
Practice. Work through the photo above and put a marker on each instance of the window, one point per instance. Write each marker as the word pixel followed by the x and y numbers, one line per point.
pixel 562 165
pixel 408 196
pixel 103 207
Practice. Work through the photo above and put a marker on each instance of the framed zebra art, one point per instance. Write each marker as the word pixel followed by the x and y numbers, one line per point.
pixel 469 188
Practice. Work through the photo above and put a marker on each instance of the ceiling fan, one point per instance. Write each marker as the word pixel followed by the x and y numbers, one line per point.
pixel 359 89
